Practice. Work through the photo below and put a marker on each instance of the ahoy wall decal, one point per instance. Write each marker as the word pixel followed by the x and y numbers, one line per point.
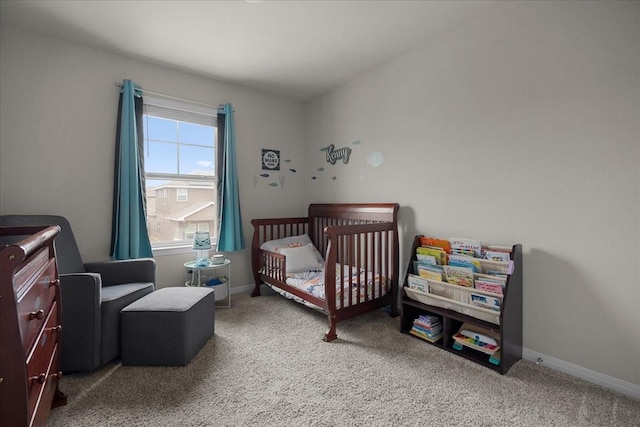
pixel 333 154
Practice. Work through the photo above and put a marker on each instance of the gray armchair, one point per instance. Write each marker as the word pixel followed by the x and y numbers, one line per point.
pixel 92 296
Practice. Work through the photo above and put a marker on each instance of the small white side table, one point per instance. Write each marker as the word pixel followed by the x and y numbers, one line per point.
pixel 198 276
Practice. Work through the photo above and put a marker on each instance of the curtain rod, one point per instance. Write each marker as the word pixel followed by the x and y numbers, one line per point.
pixel 117 84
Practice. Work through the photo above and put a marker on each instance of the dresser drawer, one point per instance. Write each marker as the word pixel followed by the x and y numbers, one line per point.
pixel 40 354
pixel 34 304
pixel 25 275
pixel 41 397
pixel 42 360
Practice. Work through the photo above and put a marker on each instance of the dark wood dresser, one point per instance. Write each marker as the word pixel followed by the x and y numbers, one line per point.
pixel 30 329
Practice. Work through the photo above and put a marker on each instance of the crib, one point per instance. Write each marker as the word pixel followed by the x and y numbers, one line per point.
pixel 357 250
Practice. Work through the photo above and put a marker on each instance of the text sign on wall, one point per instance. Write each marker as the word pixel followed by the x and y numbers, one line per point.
pixel 334 155
pixel 270 159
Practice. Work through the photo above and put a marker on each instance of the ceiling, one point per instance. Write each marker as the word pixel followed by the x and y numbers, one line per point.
pixel 293 49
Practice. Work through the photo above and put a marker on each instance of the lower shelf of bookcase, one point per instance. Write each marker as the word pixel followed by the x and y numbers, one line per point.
pixel 452 321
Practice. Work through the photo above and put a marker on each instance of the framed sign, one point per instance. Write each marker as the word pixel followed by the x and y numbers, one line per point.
pixel 270 159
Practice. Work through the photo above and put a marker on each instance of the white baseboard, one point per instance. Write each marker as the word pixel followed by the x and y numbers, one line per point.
pixel 241 289
pixel 624 387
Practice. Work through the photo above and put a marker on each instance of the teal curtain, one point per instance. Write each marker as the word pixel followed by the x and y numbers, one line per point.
pixel 129 237
pixel 230 235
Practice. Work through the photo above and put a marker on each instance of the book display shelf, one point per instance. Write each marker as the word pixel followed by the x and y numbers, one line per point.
pixel 466 316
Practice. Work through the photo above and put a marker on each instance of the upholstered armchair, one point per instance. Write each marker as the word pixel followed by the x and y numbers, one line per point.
pixel 92 294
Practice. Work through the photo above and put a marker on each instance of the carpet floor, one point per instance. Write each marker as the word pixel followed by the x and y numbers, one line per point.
pixel 268 366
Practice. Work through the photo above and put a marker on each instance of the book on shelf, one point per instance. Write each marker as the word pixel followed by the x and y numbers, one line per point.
pixel 428 327
pixel 496 267
pixel 487 285
pixel 429 318
pixel 417 282
pixel 436 243
pixel 431 331
pixel 462 276
pixel 485 301
pixel 426 259
pixel 433 272
pixel 439 255
pixel 464 244
pixel 424 336
pixel 465 261
pixel 499 248
pixel 496 255
pixel 466 252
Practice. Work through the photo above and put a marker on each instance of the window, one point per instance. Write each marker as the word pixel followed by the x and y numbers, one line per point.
pixel 182 195
pixel 179 161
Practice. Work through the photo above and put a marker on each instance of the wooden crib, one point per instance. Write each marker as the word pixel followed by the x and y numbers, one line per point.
pixel 359 245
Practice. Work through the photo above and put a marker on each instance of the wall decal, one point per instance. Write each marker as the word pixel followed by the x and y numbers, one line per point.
pixel 334 155
pixel 375 159
pixel 270 159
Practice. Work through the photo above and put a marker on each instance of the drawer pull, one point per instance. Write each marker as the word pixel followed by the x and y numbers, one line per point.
pixel 36 314
pixel 57 328
pixel 55 282
pixel 40 379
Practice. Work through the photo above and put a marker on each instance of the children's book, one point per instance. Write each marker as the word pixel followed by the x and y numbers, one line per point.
pixel 426 259
pixel 496 255
pixel 436 243
pixel 499 248
pixel 429 319
pixel 485 301
pixel 437 253
pixel 462 276
pixel 428 271
pixel 465 261
pixel 428 330
pixel 417 282
pixel 489 286
pixel 496 267
pixel 425 336
pixel 464 244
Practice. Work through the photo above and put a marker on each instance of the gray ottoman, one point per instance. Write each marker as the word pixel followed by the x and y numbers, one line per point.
pixel 167 327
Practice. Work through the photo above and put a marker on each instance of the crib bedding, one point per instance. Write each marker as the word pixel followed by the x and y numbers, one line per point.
pixel 312 282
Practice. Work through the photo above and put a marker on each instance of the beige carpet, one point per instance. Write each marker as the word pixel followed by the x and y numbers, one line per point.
pixel 267 366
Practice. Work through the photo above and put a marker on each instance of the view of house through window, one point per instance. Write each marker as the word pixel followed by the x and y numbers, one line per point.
pixel 179 162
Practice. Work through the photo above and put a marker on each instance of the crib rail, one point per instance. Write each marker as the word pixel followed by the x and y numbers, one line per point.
pixel 367 253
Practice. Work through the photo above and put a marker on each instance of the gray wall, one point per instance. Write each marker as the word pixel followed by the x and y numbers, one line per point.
pixel 58 107
pixel 523 127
